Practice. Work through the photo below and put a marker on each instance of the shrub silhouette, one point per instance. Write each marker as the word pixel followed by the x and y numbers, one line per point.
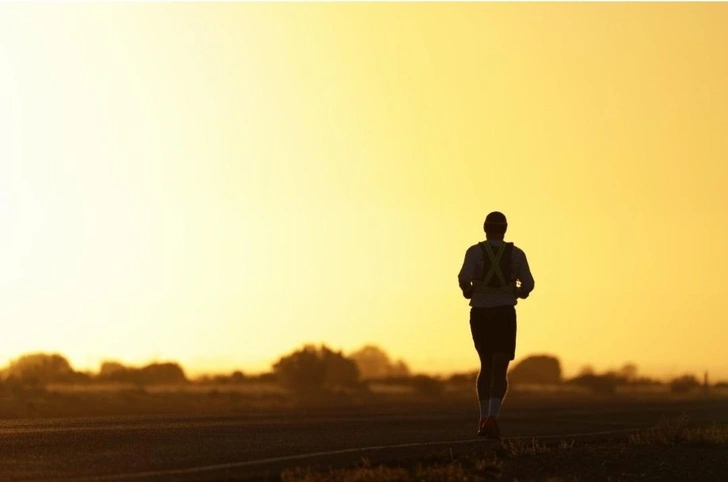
pixel 536 369
pixel 602 384
pixel 113 371
pixel 428 386
pixel 234 378
pixel 41 369
pixel 155 373
pixel 629 372
pixel 312 369
pixel 684 384
pixel 463 378
pixel 374 363
pixel 162 373
pixel 267 377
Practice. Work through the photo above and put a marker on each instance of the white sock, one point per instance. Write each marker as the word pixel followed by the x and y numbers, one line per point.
pixel 495 405
pixel 484 410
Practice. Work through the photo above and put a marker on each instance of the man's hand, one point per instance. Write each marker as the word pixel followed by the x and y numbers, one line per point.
pixel 468 292
pixel 521 294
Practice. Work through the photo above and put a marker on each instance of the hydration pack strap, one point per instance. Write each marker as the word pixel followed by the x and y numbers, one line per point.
pixel 494 264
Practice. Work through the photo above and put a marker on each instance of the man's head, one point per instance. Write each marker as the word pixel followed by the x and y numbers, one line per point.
pixel 495 225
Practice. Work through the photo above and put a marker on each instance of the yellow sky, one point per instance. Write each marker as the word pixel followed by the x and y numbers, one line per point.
pixel 219 184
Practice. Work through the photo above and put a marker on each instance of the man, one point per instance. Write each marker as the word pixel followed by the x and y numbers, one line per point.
pixel 494 275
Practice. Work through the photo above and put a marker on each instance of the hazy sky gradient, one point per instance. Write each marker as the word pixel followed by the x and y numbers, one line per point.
pixel 218 184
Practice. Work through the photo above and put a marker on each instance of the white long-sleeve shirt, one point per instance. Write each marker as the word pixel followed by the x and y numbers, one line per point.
pixel 473 265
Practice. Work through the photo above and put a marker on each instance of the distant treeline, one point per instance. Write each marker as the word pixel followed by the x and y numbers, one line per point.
pixel 38 369
pixel 546 369
pixel 314 369
pixel 311 366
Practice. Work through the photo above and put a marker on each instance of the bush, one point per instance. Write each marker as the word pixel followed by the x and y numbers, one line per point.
pixel 41 369
pixel 155 373
pixel 268 377
pixel 312 370
pixel 374 363
pixel 113 371
pixel 237 377
pixel 645 382
pixel 463 378
pixel 536 369
pixel 601 384
pixel 428 386
pixel 162 373
pixel 684 384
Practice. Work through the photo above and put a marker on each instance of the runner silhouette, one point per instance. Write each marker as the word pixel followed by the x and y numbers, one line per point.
pixel 494 275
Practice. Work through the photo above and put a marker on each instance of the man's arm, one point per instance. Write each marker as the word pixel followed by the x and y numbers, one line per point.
pixel 466 274
pixel 524 277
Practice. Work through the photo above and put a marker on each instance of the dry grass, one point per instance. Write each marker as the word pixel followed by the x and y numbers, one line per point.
pixel 531 460
pixel 677 431
pixel 359 474
pixel 450 472
pixel 523 447
pixel 454 472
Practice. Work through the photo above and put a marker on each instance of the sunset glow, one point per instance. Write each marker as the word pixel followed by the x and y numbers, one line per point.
pixel 218 184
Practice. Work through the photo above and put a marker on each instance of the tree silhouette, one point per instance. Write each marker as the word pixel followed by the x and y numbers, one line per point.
pixel 113 371
pixel 155 373
pixel 373 363
pixel 684 384
pixel 586 370
pixel 426 385
pixel 40 369
pixel 536 369
pixel 162 373
pixel 313 369
pixel 601 384
pixel 629 372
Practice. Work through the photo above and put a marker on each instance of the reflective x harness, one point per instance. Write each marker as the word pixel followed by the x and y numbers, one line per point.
pixel 495 270
pixel 495 264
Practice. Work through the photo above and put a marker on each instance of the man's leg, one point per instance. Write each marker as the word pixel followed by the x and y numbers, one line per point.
pixel 503 354
pixel 499 385
pixel 484 383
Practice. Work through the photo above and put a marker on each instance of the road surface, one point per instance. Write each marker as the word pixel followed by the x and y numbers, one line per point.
pixel 257 446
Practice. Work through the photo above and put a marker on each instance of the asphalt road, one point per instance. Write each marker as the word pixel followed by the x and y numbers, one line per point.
pixel 258 446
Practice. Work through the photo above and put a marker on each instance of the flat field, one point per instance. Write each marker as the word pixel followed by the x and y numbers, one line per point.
pixel 217 435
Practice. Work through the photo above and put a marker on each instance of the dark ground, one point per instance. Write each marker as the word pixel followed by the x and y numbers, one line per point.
pixel 257 446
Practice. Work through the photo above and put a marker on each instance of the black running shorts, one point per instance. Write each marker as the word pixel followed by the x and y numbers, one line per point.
pixel 494 330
